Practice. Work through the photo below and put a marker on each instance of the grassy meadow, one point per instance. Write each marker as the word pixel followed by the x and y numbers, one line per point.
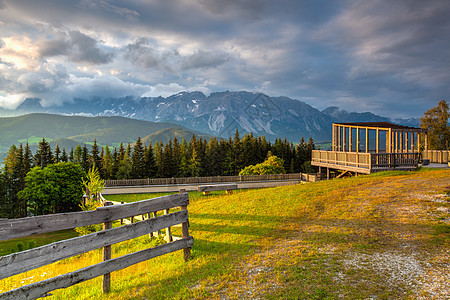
pixel 382 236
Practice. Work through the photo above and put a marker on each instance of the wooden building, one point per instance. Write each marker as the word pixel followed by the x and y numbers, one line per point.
pixel 371 147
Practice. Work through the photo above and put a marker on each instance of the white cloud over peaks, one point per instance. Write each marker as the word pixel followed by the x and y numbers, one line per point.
pixel 86 87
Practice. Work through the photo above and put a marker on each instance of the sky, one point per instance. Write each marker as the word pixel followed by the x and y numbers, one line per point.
pixel 388 57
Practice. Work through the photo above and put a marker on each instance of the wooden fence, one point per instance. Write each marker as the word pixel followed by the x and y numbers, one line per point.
pixel 20 262
pixel 437 156
pixel 212 179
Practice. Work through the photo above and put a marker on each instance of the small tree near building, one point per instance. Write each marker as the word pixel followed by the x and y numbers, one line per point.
pixel 435 121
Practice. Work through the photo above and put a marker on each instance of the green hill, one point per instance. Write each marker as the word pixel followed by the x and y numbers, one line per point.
pixel 170 133
pixel 106 130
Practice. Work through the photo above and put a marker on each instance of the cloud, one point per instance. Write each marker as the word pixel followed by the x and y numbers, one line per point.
pixel 103 5
pixel 48 78
pixel 142 54
pixel 78 47
pixel 203 59
pixel 378 55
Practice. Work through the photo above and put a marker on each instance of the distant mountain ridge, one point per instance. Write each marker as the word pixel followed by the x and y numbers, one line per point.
pixel 69 131
pixel 219 114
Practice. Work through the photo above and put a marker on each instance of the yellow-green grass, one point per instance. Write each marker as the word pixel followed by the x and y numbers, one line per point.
pixel 20 244
pixel 336 239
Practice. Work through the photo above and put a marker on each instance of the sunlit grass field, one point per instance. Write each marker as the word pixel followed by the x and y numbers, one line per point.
pixel 339 239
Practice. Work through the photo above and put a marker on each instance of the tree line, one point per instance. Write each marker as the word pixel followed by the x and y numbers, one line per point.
pixel 198 157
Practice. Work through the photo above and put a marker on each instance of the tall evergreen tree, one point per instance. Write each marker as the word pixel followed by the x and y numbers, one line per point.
pixel 78 154
pixel 64 157
pixel 158 159
pixel 95 156
pixel 176 157
pixel 57 157
pixel 107 163
pixel 167 170
pixel 137 160
pixel 71 155
pixel 85 159
pixel 43 155
pixel 149 162
pixel 27 159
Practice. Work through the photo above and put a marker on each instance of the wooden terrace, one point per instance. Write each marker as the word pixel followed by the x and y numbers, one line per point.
pixel 371 147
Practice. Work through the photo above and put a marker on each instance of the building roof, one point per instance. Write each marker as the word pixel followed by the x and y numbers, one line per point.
pixel 383 125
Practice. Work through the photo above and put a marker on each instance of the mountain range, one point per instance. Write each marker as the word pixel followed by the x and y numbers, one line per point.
pixel 69 131
pixel 218 114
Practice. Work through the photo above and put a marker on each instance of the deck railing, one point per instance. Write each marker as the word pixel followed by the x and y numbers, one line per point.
pixel 364 162
pixel 437 156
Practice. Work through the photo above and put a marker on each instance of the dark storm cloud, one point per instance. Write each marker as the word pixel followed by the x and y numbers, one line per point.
pixel 142 54
pixel 77 46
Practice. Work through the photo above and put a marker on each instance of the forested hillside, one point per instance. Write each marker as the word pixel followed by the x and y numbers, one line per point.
pixel 198 157
pixel 106 130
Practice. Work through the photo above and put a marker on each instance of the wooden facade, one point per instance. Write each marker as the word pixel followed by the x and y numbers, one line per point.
pixel 371 147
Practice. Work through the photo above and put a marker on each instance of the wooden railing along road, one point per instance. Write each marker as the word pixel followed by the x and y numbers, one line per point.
pixel 20 262
pixel 211 179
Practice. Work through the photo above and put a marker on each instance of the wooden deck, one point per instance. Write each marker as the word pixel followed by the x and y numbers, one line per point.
pixel 365 163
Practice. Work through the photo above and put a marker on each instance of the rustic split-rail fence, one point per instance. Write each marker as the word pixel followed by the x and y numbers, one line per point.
pixel 20 262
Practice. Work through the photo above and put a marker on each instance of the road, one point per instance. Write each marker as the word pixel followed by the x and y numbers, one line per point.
pixel 190 187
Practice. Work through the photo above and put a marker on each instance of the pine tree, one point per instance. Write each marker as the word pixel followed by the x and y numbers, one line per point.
pixel 149 162
pixel 137 160
pixel 78 155
pixel 71 155
pixel 11 159
pixel 85 159
pixel 158 159
pixel 44 155
pixel 64 157
pixel 238 155
pixel 176 157
pixel 95 156
pixel 27 159
pixel 107 163
pixel 167 161
pixel 195 164
pixel 57 158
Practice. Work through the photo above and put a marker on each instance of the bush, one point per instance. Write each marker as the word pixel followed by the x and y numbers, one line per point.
pixel 272 165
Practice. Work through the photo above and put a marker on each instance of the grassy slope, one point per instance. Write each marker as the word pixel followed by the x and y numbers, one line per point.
pixel 107 130
pixel 382 236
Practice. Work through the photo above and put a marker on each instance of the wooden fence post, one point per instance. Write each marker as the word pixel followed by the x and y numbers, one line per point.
pixel 168 237
pixel 107 255
pixel 185 230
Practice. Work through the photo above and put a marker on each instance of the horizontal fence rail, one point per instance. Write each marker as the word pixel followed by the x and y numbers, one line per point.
pixel 20 262
pixel 14 228
pixel 437 156
pixel 202 180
